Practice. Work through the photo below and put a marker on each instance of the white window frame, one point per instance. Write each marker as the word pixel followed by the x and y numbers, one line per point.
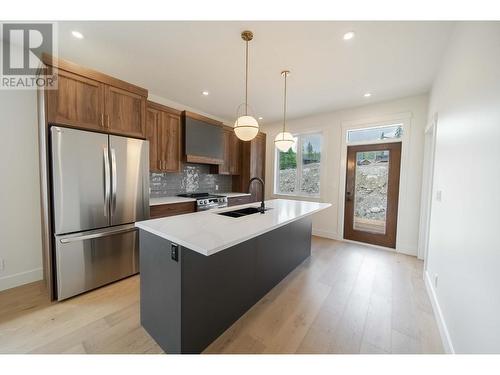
pixel 297 192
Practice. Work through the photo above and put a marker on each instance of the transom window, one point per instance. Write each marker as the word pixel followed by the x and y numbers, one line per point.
pixel 379 133
pixel 298 169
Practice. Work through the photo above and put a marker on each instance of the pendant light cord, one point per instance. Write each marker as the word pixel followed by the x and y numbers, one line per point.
pixel 246 80
pixel 284 108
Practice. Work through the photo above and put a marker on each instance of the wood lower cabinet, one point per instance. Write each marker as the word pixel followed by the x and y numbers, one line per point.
pixel 171 209
pixel 163 130
pixel 235 201
pixel 125 112
pixel 78 101
pixel 253 159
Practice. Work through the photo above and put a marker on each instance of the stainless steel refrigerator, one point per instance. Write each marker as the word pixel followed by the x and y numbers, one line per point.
pixel 100 186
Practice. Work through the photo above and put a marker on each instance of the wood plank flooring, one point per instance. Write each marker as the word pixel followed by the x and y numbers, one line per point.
pixel 346 298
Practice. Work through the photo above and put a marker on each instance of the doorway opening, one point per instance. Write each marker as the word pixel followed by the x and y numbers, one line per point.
pixel 372 193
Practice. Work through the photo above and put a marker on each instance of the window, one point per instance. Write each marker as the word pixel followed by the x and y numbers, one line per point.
pixel 375 134
pixel 298 169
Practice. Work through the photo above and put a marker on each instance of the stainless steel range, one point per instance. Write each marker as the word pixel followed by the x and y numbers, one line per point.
pixel 207 201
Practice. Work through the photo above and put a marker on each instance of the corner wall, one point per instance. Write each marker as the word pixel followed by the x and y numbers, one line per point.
pixel 464 253
pixel 325 223
pixel 20 221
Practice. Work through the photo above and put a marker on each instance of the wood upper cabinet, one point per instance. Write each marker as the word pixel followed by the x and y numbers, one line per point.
pixel 253 159
pixel 235 154
pixel 78 101
pixel 232 151
pixel 257 164
pixel 170 141
pixel 163 130
pixel 125 112
pixel 152 136
pixel 88 99
pixel 225 167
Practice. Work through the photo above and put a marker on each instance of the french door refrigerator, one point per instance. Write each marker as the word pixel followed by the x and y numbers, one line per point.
pixel 100 186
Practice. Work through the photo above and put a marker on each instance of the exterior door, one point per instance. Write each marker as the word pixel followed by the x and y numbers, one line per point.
pixel 371 193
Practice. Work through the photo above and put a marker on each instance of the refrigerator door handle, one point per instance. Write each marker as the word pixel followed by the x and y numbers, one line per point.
pixel 96 235
pixel 107 181
pixel 113 181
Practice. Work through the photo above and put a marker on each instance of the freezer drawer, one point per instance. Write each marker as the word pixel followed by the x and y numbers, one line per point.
pixel 87 260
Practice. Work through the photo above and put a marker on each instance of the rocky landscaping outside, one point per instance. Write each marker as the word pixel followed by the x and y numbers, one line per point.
pixel 310 179
pixel 371 191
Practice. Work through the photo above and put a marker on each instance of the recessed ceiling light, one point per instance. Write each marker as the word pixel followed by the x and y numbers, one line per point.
pixel 261 118
pixel 349 35
pixel 77 34
pixel 205 93
pixel 367 95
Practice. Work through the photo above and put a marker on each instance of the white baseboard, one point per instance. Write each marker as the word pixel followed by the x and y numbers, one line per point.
pixel 326 234
pixel 21 278
pixel 443 329
pixel 407 249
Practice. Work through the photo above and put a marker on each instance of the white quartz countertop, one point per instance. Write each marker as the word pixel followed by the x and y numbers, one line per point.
pixel 207 232
pixel 169 200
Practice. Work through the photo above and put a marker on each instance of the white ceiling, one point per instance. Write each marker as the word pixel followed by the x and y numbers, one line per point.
pixel 179 60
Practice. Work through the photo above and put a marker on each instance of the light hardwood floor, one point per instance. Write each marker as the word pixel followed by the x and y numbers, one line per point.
pixel 346 298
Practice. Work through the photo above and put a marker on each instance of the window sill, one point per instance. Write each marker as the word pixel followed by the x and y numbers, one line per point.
pixel 311 198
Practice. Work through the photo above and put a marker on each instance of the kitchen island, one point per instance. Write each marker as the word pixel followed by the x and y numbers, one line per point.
pixel 201 271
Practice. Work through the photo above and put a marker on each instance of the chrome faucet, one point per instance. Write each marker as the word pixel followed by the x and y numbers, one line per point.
pixel 262 205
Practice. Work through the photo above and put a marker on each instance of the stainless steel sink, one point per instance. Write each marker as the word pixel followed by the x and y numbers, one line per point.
pixel 242 212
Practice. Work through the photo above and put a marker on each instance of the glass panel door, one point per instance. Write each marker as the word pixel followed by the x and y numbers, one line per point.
pixel 371 195
pixel 370 191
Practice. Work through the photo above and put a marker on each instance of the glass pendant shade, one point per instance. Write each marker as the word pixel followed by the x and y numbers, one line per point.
pixel 284 141
pixel 246 128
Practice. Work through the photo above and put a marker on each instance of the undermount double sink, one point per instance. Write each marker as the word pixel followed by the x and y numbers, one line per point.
pixel 242 212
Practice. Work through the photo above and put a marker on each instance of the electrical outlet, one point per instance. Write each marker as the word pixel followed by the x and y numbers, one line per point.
pixel 2 264
pixel 439 195
pixel 436 277
pixel 216 187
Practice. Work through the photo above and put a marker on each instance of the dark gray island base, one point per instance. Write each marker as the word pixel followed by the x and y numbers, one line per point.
pixel 187 303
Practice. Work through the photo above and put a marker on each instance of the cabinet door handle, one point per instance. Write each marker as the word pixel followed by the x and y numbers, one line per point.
pixel 102 120
pixel 108 121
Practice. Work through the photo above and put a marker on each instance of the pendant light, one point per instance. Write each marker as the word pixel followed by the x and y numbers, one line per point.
pixel 284 140
pixel 246 127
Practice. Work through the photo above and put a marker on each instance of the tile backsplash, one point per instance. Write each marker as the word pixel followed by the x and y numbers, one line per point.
pixel 194 178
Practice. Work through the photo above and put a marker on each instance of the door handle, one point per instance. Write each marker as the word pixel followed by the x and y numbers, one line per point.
pixel 96 235
pixel 113 181
pixel 106 181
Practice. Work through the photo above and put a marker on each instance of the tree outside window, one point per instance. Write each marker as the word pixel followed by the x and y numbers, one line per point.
pixel 298 169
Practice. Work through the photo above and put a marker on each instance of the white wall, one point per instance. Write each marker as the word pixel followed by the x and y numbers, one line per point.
pixel 464 250
pixel 325 223
pixel 20 232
